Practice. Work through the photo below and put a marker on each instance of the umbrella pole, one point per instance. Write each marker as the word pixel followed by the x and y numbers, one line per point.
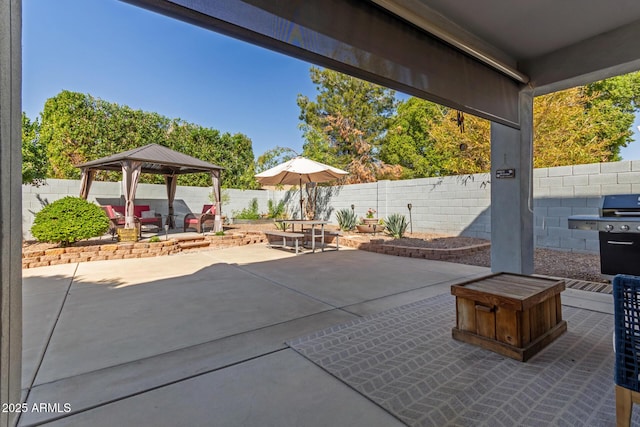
pixel 301 201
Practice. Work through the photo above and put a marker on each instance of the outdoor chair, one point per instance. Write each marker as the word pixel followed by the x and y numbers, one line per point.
pixel 626 303
pixel 117 220
pixel 199 221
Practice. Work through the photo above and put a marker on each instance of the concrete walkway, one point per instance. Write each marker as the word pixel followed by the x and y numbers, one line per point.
pixel 199 339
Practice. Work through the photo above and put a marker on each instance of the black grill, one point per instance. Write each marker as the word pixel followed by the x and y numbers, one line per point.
pixel 619 233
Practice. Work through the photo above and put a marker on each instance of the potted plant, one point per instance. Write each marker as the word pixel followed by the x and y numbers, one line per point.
pixel 370 218
pixel 374 225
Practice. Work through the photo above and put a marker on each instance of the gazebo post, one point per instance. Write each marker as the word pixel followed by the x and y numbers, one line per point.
pixel 85 182
pixel 171 181
pixel 215 179
pixel 130 175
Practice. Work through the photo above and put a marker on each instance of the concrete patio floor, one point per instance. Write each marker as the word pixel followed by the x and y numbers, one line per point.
pixel 199 339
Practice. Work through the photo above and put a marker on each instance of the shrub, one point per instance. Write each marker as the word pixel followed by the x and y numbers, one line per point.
pixel 396 225
pixel 154 239
pixel 281 225
pixel 219 233
pixel 68 220
pixel 347 219
pixel 276 210
pixel 250 212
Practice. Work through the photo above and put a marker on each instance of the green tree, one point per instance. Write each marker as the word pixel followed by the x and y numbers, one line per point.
pixel 409 142
pixel 568 131
pixel 274 157
pixel 346 123
pixel 77 128
pixel 618 99
pixel 34 157
pixel 587 124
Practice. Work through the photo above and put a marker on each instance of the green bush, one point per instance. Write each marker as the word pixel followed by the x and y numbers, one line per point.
pixel 396 225
pixel 276 210
pixel 281 225
pixel 68 220
pixel 248 213
pixel 347 219
pixel 154 239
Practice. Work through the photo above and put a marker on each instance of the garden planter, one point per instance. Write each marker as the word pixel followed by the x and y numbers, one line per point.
pixel 370 228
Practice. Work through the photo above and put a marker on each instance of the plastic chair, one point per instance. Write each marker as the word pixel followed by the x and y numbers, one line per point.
pixel 198 221
pixel 626 302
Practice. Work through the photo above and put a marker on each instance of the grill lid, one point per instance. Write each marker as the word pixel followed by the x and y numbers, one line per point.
pixel 621 205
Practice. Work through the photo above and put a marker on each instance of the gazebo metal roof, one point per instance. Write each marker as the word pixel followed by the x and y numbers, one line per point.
pixel 155 159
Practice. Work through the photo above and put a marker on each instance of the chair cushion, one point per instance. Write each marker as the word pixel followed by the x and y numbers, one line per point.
pixel 138 209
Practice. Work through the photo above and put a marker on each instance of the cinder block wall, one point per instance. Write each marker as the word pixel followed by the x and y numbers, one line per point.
pixel 577 190
pixel 455 205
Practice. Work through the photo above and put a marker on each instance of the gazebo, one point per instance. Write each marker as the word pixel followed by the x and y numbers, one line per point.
pixel 155 159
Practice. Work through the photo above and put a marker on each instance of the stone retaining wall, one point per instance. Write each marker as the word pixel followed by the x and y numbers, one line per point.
pixel 43 258
pixel 382 246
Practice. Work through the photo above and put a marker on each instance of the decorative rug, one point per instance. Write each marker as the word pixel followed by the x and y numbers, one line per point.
pixel 405 360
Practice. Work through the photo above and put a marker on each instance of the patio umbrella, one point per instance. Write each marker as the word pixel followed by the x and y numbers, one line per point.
pixel 297 171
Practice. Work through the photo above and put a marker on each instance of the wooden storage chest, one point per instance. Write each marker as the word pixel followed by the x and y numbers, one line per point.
pixel 510 314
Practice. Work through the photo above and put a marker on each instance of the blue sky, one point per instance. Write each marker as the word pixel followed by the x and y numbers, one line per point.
pixel 128 55
pixel 131 56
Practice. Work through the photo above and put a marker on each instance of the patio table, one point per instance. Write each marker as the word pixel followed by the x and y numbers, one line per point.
pixel 309 222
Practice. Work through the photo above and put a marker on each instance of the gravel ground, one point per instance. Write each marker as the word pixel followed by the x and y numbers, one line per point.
pixel 548 262
pixel 551 263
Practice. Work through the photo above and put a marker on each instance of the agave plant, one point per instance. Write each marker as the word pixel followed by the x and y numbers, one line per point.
pixel 396 225
pixel 347 219
pixel 281 225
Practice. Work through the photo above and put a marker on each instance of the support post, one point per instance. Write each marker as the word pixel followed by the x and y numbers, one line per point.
pixel 512 196
pixel 10 207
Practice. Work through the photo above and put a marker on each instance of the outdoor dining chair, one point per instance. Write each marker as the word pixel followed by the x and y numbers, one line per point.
pixel 626 302
pixel 199 221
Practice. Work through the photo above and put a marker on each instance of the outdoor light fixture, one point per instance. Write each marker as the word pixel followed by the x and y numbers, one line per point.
pixel 353 207
pixel 409 206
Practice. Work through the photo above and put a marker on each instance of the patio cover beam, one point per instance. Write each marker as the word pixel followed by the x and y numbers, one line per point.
pixel 10 207
pixel 361 39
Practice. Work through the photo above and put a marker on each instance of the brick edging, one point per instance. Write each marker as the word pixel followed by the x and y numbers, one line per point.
pixel 109 251
pixel 382 246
